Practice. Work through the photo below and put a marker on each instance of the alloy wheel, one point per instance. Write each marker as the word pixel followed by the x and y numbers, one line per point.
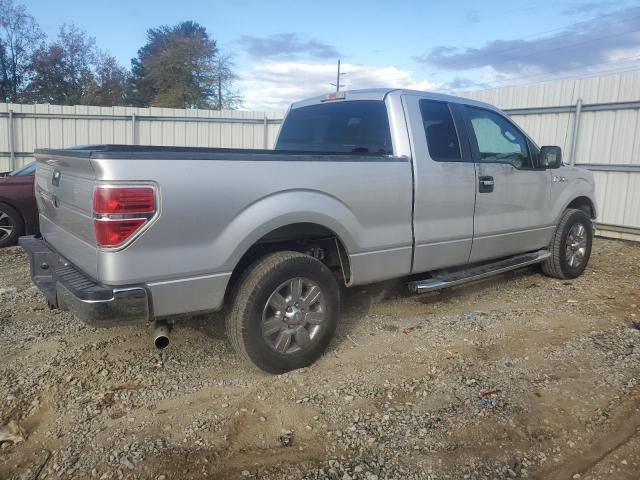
pixel 293 316
pixel 576 245
pixel 6 226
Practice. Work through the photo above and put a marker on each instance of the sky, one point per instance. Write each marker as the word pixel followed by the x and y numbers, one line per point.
pixel 288 50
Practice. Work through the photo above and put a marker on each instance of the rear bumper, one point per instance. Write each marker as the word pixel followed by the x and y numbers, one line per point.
pixel 67 288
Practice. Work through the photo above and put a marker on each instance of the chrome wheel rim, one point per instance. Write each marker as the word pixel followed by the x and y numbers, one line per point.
pixel 293 316
pixel 576 245
pixel 6 226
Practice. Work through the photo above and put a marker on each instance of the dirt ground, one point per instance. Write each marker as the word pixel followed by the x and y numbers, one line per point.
pixel 519 376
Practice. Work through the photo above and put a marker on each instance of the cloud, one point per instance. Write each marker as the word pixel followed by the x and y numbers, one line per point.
pixel 473 16
pixel 587 7
pixel 287 46
pixel 273 86
pixel 603 39
pixel 461 83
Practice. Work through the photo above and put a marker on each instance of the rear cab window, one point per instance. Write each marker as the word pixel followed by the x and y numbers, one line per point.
pixel 442 137
pixel 355 126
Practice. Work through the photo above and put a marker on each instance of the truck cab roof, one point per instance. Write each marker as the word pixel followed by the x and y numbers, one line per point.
pixel 382 93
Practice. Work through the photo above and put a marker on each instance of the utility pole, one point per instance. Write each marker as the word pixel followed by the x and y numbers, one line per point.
pixel 219 92
pixel 337 84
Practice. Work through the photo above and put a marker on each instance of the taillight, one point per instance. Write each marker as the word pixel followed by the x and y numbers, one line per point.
pixel 120 212
pixel 121 200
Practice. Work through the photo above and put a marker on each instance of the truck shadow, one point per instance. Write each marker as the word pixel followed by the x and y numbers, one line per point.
pixel 357 302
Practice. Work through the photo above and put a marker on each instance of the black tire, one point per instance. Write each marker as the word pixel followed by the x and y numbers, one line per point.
pixel 9 217
pixel 255 289
pixel 557 265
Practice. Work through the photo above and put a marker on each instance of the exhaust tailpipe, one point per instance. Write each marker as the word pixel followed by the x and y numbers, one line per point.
pixel 161 334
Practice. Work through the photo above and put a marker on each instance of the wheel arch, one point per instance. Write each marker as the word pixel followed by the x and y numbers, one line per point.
pixel 313 238
pixel 293 215
pixel 585 204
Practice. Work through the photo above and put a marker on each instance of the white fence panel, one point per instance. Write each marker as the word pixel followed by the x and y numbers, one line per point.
pixel 24 128
pixel 607 141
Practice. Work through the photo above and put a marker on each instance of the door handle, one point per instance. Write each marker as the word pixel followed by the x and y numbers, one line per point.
pixel 485 184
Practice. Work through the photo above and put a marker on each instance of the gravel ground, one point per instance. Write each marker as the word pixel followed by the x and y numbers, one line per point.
pixel 520 376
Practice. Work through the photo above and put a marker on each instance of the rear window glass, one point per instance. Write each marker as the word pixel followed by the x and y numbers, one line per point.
pixel 359 126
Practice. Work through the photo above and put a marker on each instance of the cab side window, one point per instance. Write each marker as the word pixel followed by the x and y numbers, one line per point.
pixel 498 139
pixel 442 138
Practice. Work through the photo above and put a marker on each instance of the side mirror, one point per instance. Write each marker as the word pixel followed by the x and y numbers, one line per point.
pixel 551 157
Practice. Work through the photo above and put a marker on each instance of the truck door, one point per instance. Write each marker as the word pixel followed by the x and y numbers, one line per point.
pixel 444 183
pixel 512 198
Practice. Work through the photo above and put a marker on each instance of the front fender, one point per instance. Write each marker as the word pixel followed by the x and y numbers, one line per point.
pixel 577 187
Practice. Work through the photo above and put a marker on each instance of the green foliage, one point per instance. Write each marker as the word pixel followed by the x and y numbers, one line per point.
pixel 180 67
pixel 71 71
pixel 20 36
pixel 109 84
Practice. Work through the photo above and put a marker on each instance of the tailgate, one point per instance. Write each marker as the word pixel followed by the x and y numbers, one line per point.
pixel 64 191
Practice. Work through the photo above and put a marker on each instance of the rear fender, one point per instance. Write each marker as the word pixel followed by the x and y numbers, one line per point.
pixel 284 208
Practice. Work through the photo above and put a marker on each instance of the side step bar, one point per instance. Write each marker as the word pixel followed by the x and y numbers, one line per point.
pixel 478 272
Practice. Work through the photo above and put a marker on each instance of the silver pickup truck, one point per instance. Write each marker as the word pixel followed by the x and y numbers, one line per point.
pixel 362 186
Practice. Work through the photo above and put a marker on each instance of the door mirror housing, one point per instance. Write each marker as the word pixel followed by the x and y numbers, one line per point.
pixel 551 157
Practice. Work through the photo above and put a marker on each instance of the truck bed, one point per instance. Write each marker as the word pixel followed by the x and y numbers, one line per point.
pixel 214 204
pixel 157 152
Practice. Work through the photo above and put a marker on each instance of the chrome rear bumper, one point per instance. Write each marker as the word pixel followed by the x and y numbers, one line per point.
pixel 67 288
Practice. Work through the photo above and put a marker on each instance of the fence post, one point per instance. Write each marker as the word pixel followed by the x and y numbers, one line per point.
pixel 576 131
pixel 12 149
pixel 265 141
pixel 133 129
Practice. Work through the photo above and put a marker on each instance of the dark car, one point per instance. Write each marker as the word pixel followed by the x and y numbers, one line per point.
pixel 18 209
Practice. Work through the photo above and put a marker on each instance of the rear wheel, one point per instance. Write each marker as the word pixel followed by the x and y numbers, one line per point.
pixel 571 246
pixel 11 225
pixel 285 311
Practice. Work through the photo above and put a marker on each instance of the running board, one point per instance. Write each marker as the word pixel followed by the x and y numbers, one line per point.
pixel 479 272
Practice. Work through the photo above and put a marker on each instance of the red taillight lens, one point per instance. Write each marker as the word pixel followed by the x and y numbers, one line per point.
pixel 112 233
pixel 120 212
pixel 121 200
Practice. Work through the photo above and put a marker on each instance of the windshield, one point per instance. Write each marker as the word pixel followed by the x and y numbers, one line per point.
pixel 360 126
pixel 28 169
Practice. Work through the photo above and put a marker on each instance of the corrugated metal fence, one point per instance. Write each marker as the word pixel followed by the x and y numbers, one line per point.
pixel 595 120
pixel 24 128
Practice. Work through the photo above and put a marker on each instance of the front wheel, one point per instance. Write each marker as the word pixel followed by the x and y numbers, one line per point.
pixel 571 246
pixel 285 311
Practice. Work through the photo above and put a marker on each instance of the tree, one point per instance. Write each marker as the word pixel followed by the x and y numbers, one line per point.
pixel 71 71
pixel 180 67
pixel 20 36
pixel 61 71
pixel 48 83
pixel 226 95
pixel 109 84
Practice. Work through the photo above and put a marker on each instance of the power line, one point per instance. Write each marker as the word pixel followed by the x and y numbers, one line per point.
pixel 591 40
pixel 571 32
pixel 635 68
pixel 561 47
pixel 584 42
pixel 511 78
